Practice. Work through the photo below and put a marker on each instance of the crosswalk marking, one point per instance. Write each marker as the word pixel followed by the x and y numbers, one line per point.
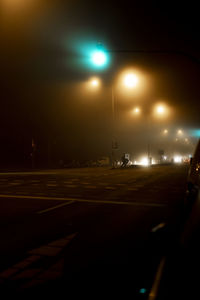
pixel 27 274
pixel 71 185
pixel 90 186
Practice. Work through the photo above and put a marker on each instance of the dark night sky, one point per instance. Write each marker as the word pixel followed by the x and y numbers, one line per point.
pixel 44 67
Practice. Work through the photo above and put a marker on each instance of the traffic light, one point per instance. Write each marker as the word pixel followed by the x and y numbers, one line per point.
pixel 99 58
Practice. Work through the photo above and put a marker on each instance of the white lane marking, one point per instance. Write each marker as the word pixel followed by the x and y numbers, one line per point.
pixel 54 207
pixel 150 204
pixel 157 227
pixel 71 185
pixel 154 290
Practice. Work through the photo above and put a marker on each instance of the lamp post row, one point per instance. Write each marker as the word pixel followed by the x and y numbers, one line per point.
pixel 99 58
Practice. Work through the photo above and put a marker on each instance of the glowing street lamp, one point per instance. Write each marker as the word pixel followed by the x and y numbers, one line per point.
pixel 180 132
pixel 165 131
pixel 130 80
pixel 95 82
pixel 136 111
pixel 160 110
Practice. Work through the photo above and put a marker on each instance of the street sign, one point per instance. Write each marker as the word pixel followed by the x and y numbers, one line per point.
pixel 127 156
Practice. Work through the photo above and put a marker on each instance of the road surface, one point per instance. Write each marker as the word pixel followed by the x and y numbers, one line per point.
pixel 94 229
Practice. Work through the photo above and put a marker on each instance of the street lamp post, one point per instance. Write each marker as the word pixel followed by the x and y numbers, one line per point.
pixel 160 111
pixel 149 159
pixel 130 81
pixel 114 138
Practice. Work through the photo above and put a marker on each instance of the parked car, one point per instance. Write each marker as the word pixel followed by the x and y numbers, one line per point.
pixel 193 181
pixel 179 277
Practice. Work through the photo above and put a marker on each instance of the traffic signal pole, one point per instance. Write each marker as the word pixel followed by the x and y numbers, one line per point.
pixel 114 140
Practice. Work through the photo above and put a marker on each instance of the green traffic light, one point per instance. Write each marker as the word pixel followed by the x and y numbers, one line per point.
pixel 99 58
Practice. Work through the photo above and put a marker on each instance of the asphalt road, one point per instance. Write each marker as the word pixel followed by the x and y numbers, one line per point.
pixel 96 230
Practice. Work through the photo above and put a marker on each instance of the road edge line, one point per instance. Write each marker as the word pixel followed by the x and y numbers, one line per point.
pixel 154 290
